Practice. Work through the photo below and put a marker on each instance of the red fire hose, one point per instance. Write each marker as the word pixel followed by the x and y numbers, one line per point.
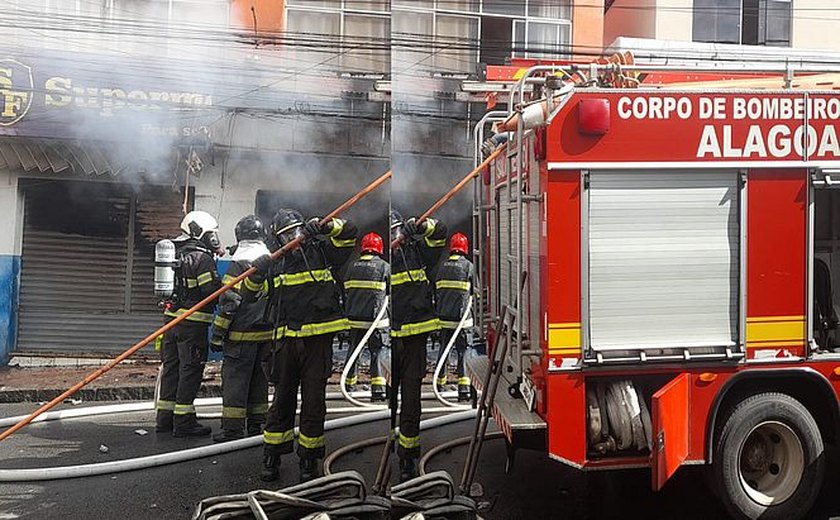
pixel 454 191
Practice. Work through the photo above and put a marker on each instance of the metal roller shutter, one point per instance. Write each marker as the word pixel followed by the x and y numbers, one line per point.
pixel 87 265
pixel 663 259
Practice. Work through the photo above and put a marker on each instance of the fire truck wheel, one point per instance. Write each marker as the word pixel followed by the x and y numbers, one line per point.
pixel 769 460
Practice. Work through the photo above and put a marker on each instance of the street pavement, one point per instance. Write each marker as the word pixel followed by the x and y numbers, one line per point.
pixel 167 492
pixel 537 487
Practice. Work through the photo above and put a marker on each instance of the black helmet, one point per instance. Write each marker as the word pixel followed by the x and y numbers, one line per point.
pixel 249 228
pixel 396 219
pixel 286 225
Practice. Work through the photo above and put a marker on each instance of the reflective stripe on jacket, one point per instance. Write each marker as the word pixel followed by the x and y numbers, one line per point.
pixel 411 265
pixel 365 287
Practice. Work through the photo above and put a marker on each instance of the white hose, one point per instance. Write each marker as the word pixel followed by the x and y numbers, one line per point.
pixel 436 422
pixel 355 355
pixel 336 410
pixel 145 406
pixel 444 360
pixel 90 411
pixel 104 468
pixel 449 418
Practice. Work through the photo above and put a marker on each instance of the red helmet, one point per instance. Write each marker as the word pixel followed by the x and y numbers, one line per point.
pixel 372 243
pixel 459 244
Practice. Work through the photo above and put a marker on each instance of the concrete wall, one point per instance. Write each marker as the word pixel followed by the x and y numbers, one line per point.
pixel 268 14
pixel 313 184
pixel 634 18
pixel 815 24
pixel 674 20
pixel 11 211
pixel 588 26
pixel 659 19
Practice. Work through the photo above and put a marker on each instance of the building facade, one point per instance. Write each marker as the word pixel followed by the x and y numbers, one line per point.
pixel 439 44
pixel 117 117
pixel 798 24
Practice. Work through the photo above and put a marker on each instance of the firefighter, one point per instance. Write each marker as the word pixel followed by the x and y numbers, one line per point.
pixel 243 333
pixel 412 320
pixel 183 350
pixel 454 285
pixel 365 286
pixel 307 312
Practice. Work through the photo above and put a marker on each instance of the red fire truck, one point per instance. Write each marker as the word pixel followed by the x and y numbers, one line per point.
pixel 657 248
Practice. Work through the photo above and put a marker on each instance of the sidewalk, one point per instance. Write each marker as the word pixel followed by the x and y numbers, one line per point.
pixel 37 380
pixel 34 380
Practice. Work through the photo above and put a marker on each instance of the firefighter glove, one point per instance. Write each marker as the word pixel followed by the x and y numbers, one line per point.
pixel 262 264
pixel 217 338
pixel 315 229
pixel 229 302
pixel 413 228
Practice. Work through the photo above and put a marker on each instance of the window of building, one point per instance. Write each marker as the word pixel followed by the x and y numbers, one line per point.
pixel 526 29
pixel 541 40
pixel 158 27
pixel 767 22
pixel 353 34
pixel 456 37
pixel 747 22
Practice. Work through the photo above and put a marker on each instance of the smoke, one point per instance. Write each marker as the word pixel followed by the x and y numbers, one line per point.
pixel 432 150
pixel 176 95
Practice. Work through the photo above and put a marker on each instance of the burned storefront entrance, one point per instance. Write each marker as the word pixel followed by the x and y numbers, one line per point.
pixel 87 263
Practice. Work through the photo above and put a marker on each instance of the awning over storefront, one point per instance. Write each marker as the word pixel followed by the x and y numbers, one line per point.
pixel 54 156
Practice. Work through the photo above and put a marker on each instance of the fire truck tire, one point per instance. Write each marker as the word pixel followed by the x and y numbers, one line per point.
pixel 769 459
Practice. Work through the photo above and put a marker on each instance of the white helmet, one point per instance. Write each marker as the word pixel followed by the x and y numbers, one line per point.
pixel 202 226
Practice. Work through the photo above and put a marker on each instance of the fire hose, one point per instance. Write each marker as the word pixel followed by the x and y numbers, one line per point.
pixel 454 191
pixel 444 359
pixel 355 354
pixel 341 495
pixel 436 422
pixel 144 406
pixel 103 468
pixel 382 471
pixel 195 308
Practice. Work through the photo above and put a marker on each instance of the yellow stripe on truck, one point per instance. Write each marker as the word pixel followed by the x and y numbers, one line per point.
pixel 564 338
pixel 766 331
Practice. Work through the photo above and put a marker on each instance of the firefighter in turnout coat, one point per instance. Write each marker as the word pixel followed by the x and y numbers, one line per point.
pixel 242 331
pixel 183 350
pixel 365 288
pixel 412 320
pixel 307 313
pixel 454 285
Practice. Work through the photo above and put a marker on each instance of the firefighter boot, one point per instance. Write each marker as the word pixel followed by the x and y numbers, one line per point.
pixel 255 427
pixel 228 435
pixel 408 469
pixel 377 393
pixel 163 421
pixel 350 383
pixel 309 469
pixel 232 429
pixel 187 426
pixel 271 468
pixel 441 383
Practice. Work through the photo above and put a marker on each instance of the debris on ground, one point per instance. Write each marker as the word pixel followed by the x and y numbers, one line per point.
pixel 141 432
pixel 103 448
